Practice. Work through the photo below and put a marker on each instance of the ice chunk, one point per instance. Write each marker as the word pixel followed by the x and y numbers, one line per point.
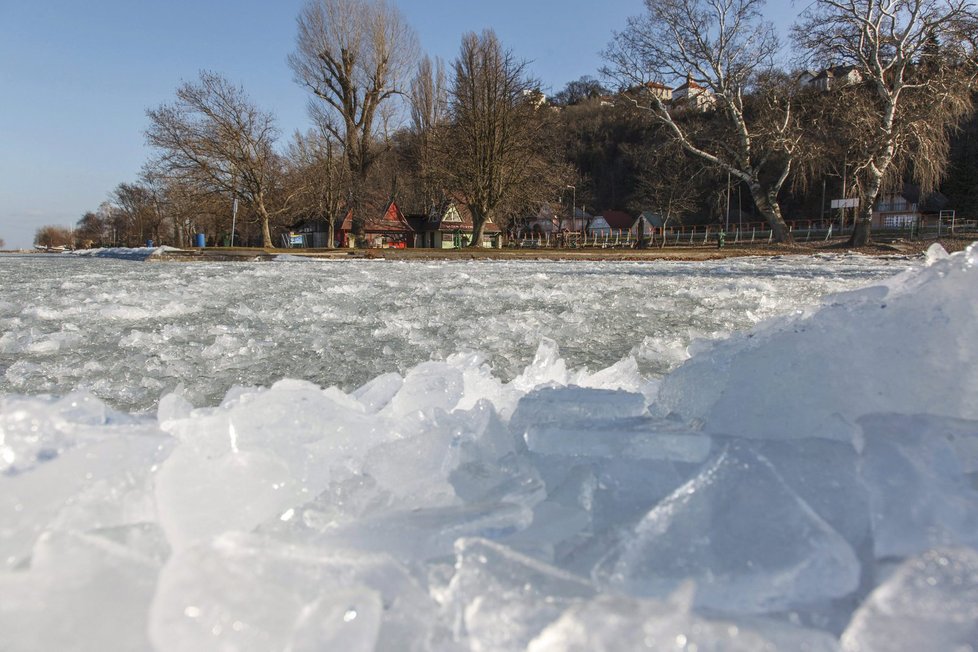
pixel 89 486
pixel 429 385
pixel 172 407
pixel 502 599
pixel 634 438
pixel 611 623
pixel 935 254
pixel 82 592
pixel 784 381
pixel 567 406
pixel 930 603
pixel 826 475
pixel 377 393
pixel 751 544
pixel 250 593
pixel 921 495
pixel 547 368
pixel 425 534
pixel 200 497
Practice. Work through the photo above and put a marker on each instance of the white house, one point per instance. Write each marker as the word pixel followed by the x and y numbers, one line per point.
pixel 693 96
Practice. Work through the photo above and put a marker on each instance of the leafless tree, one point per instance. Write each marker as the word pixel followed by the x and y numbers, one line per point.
pixel 319 177
pixel 916 61
pixel 215 138
pixel 670 184
pixel 53 236
pixel 353 56
pixel 429 107
pixel 495 151
pixel 139 214
pixel 728 50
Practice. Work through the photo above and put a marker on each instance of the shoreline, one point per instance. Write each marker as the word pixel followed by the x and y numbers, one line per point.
pixel 691 253
pixel 678 254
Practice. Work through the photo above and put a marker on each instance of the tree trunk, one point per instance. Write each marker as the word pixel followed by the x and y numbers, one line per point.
pixel 331 232
pixel 863 226
pixel 479 219
pixel 266 235
pixel 861 232
pixel 772 213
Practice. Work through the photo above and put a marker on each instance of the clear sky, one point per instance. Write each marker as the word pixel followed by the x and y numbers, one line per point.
pixel 77 77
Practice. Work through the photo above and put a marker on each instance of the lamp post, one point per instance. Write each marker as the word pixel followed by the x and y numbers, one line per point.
pixel 234 217
pixel 573 204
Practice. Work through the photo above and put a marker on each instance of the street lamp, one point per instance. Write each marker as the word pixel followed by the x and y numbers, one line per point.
pixel 573 205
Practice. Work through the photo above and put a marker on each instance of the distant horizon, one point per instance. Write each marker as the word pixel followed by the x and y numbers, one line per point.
pixel 78 79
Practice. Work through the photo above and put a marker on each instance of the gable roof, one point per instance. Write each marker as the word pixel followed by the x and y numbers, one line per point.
pixel 379 218
pixel 453 213
pixel 618 219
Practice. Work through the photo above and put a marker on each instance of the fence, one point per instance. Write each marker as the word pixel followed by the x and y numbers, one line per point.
pixel 751 233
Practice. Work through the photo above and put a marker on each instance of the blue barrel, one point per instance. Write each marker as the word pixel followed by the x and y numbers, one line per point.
pixel 201 240
pixel 149 243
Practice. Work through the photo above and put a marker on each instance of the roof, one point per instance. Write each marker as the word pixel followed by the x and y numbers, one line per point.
pixel 386 218
pixel 690 84
pixel 618 219
pixel 453 213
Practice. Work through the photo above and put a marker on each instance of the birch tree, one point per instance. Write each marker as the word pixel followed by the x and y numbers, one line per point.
pixel 916 59
pixel 727 49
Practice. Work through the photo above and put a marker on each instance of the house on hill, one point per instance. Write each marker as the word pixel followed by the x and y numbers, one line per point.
pixel 384 227
pixel 831 77
pixel 693 96
pixel 449 225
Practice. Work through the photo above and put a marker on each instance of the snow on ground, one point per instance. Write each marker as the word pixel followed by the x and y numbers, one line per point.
pixel 122 253
pixel 806 483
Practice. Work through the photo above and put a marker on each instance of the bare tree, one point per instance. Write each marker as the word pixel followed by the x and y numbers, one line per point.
pixel 353 56
pixel 725 51
pixel 319 177
pixel 670 184
pixel 53 236
pixel 495 151
pixel 916 61
pixel 215 138
pixel 138 215
pixel 429 107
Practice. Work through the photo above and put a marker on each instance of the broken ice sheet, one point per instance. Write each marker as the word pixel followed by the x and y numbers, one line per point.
pixel 245 592
pixel 101 483
pixel 82 592
pixel 920 490
pixel 502 599
pixel 746 539
pixel 612 623
pixel 929 603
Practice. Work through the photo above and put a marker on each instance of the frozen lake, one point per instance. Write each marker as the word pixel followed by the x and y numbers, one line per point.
pixel 130 332
pixel 755 454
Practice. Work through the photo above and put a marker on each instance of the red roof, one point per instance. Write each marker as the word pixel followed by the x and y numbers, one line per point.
pixel 379 219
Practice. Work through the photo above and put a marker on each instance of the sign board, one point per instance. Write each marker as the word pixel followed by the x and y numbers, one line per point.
pixel 845 203
pixel 296 240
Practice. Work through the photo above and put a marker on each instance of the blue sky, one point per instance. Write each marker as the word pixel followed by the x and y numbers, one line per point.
pixel 77 77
